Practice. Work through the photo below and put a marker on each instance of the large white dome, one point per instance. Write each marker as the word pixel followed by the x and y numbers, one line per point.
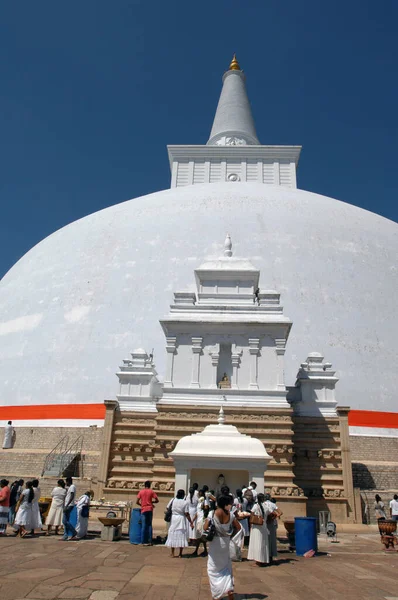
pixel 76 304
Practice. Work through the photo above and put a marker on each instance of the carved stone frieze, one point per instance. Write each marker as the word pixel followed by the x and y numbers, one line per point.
pixel 122 484
pixel 280 449
pixel 287 491
pixel 229 417
pixel 138 421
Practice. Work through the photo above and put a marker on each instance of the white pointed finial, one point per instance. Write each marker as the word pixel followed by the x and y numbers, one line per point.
pixel 221 417
pixel 228 246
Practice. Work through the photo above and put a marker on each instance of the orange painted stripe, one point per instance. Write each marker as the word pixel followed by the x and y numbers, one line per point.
pixel 52 411
pixel 373 418
pixel 356 418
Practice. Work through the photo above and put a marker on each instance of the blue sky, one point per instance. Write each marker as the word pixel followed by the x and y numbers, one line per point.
pixel 93 91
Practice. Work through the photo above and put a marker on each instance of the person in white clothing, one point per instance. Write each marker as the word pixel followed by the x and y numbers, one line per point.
pixel 252 487
pixel 219 565
pixel 394 508
pixel 259 549
pixel 193 499
pixel 83 511
pixel 56 512
pixel 177 535
pixel 70 500
pixel 8 436
pixel 36 516
pixel 272 525
pixel 23 519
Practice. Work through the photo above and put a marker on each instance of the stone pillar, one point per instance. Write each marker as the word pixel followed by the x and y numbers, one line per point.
pixel 215 355
pixel 254 351
pixel 196 351
pixel 236 356
pixel 342 412
pixel 110 407
pixel 280 349
pixel 171 350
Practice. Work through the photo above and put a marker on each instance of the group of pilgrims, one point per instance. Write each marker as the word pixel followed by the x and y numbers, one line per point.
pixel 223 523
pixel 19 509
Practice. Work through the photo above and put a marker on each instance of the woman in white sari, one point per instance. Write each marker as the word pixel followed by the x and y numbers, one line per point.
pixel 83 509
pixel 219 565
pixel 259 542
pixel 23 520
pixel 36 516
pixel 177 536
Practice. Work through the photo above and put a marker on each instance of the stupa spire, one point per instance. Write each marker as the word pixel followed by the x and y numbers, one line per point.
pixel 234 66
pixel 233 123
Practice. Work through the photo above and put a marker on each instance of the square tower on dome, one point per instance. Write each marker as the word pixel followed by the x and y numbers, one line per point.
pixel 227 338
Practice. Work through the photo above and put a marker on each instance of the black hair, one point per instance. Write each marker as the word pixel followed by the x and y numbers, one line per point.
pixel 224 490
pixel 395 496
pixel 260 500
pixel 29 487
pixel 35 483
pixel 223 501
pixel 4 482
pixel 191 493
pixel 9 423
pixel 273 500
pixel 21 481
pixel 239 495
pixel 180 495
pixel 267 496
pixel 253 484
pixel 377 498
pixel 147 484
pixel 205 488
pixel 195 486
pixel 69 480
pixel 61 483
pixel 201 492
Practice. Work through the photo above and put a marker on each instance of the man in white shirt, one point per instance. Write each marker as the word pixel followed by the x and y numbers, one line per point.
pixel 394 508
pixel 69 530
pixel 252 487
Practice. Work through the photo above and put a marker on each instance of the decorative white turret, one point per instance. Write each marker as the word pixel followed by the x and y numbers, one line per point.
pixel 227 338
pixel 139 387
pixel 233 152
pixel 314 394
pixel 233 123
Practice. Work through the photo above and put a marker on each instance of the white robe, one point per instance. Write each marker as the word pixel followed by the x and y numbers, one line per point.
pixel 36 517
pixel 56 512
pixel 259 543
pixel 193 510
pixel 272 530
pixel 82 522
pixel 8 435
pixel 219 565
pixel 24 514
pixel 177 536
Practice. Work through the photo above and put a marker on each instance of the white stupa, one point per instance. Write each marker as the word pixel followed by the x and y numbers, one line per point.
pixel 91 292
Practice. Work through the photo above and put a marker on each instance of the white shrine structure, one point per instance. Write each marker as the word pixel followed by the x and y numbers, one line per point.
pixel 225 345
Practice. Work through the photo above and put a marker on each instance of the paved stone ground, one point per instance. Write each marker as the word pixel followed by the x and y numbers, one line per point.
pixel 44 568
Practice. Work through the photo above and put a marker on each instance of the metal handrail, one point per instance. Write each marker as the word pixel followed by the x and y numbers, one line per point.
pixel 74 449
pixel 57 450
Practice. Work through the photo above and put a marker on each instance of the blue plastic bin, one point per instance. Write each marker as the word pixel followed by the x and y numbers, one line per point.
pixel 306 535
pixel 135 526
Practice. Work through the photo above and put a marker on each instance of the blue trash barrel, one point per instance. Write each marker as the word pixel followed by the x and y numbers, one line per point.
pixel 306 538
pixel 73 516
pixel 135 526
